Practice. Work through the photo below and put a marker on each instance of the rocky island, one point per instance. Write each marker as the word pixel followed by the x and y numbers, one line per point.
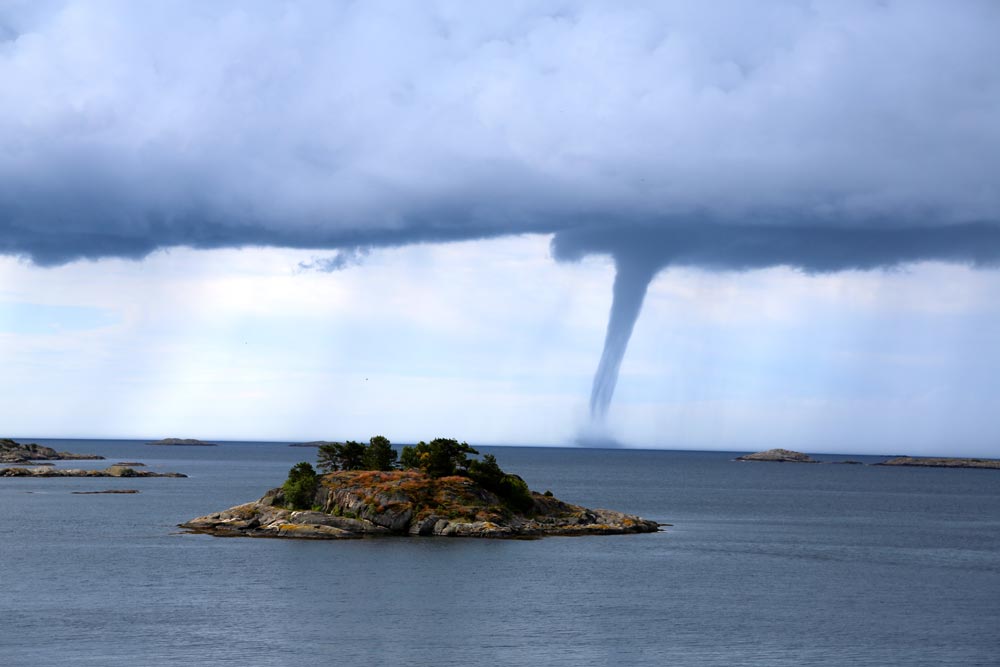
pixel 778 456
pixel 19 454
pixel 182 442
pixel 439 492
pixel 359 503
pixel 939 462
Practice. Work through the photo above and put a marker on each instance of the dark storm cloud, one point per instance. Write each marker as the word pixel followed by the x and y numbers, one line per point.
pixel 815 249
pixel 735 134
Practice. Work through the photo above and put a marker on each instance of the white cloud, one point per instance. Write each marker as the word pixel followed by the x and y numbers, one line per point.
pixel 493 342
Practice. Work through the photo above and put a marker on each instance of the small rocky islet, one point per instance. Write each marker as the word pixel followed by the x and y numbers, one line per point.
pixel 182 442
pixel 789 456
pixel 33 460
pixel 13 452
pixel 778 456
pixel 438 492
pixel 939 462
pixel 405 502
pixel 106 492
pixel 110 471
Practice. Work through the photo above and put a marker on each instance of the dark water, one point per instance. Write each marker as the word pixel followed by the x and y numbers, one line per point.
pixel 766 564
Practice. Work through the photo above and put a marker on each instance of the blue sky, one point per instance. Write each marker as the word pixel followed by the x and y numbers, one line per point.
pixel 271 220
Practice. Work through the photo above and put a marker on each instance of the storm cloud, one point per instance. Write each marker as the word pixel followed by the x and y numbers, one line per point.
pixel 821 135
pixel 126 127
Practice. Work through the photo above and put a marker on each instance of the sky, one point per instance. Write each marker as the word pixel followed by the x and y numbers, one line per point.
pixel 667 224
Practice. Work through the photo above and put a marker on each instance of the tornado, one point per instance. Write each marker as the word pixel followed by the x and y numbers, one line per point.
pixel 632 279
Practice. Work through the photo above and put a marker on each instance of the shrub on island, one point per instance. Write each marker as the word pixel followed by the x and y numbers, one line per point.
pixel 441 457
pixel 300 487
pixel 378 454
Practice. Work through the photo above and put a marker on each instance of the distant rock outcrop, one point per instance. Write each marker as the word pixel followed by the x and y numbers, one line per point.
pixel 18 453
pixel 111 471
pixel 359 503
pixel 939 462
pixel 779 456
pixel 183 442
pixel 314 443
pixel 111 491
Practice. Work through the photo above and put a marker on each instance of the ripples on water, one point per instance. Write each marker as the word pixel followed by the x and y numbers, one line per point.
pixel 767 564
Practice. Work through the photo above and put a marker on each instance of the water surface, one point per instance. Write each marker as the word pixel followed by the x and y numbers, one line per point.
pixel 766 564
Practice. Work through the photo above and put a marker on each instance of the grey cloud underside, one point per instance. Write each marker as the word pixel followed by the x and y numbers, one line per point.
pixel 53 249
pixel 706 244
pixel 709 245
pixel 814 249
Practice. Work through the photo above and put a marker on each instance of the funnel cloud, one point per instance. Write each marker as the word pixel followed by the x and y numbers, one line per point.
pixel 632 278
pixel 640 253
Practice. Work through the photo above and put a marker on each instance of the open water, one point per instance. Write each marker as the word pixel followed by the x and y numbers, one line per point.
pixel 766 564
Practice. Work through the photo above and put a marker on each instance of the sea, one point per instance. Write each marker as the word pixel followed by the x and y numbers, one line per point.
pixel 761 564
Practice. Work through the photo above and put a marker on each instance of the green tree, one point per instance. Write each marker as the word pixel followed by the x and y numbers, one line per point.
pixel 515 492
pixel 409 459
pixel 328 458
pixel 348 455
pixel 511 489
pixel 379 455
pixel 442 457
pixel 300 487
pixel 487 473
pixel 352 456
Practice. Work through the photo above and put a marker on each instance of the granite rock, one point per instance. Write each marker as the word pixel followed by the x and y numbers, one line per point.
pixel 361 503
pixel 778 456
